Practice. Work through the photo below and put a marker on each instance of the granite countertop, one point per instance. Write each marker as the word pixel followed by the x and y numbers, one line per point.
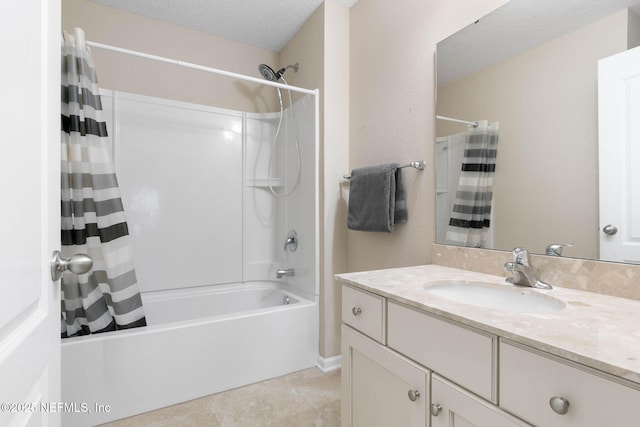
pixel 599 331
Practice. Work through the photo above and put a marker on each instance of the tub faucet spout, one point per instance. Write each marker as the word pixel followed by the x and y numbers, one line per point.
pixel 285 273
pixel 522 271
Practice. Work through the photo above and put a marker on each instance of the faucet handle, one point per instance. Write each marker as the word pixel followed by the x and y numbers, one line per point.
pixel 521 256
pixel 517 276
pixel 292 241
pixel 511 268
pixel 555 249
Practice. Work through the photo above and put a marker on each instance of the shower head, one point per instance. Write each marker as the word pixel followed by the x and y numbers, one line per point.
pixel 268 73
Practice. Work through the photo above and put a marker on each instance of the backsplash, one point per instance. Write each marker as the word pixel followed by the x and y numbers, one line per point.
pixel 610 278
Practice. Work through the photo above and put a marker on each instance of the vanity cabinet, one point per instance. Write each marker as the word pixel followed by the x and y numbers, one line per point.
pixel 389 385
pixel 403 366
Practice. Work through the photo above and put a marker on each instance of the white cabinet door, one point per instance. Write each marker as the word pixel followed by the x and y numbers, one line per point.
pixel 619 154
pixel 455 407
pixel 30 218
pixel 379 387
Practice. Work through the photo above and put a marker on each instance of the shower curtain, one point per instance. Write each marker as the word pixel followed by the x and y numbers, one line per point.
pixel 106 298
pixel 471 213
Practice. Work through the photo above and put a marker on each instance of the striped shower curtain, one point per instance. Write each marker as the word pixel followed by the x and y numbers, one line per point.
pixel 107 298
pixel 471 213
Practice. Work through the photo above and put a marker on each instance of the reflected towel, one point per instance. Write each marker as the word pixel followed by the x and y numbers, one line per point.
pixel 377 199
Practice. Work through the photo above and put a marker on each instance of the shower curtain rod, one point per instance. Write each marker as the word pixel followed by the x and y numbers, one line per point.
pixel 193 66
pixel 449 119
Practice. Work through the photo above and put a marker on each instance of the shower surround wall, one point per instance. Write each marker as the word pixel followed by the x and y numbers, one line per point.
pixel 449 156
pixel 195 188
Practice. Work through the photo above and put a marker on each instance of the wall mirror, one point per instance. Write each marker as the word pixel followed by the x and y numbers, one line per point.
pixel 531 67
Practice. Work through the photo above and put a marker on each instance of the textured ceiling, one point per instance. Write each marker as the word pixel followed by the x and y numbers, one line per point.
pixel 516 27
pixel 268 24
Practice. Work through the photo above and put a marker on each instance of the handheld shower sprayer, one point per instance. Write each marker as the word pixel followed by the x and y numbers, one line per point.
pixel 275 76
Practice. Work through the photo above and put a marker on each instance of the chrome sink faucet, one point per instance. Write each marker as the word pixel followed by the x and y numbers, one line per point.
pixel 522 271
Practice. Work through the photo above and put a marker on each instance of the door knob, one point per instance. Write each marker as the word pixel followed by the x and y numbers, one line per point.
pixel 610 230
pixel 77 264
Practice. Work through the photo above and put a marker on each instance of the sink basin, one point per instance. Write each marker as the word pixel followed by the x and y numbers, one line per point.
pixel 494 296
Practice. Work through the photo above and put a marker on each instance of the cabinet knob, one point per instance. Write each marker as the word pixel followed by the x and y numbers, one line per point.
pixel 435 409
pixel 560 405
pixel 413 395
pixel 356 311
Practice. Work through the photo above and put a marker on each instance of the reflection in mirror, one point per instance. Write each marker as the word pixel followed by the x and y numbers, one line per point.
pixel 531 66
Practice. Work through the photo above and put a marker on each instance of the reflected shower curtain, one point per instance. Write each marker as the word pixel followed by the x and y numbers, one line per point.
pixel 107 298
pixel 471 213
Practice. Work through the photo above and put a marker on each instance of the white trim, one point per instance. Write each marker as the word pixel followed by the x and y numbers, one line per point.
pixel 316 200
pixel 329 364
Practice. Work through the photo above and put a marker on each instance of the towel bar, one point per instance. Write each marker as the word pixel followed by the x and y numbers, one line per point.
pixel 416 165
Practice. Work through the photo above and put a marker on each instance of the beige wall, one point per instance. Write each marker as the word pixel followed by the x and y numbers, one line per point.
pixel 306 48
pixel 634 30
pixel 336 163
pixel 115 27
pixel 546 102
pixel 323 54
pixel 392 112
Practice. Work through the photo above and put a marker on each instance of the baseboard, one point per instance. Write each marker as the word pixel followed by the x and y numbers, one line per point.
pixel 328 364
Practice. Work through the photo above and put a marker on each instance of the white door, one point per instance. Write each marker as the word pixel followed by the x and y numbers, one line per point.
pixel 30 211
pixel 619 153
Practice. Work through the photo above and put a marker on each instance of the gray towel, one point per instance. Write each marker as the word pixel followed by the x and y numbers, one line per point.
pixel 377 199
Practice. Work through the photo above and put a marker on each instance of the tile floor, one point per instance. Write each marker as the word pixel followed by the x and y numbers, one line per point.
pixel 308 398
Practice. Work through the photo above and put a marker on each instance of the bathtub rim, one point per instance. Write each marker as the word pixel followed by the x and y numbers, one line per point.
pixel 302 302
pixel 163 294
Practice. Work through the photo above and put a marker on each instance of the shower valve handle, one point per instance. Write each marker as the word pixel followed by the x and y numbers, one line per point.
pixel 292 241
pixel 77 264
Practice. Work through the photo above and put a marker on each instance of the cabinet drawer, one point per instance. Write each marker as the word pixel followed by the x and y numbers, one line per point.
pixel 464 356
pixel 364 312
pixel 529 380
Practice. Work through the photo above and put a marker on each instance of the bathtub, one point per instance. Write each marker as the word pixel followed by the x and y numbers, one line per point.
pixel 199 341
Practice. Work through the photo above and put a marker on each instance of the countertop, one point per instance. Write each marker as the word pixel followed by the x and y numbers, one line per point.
pixel 599 331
